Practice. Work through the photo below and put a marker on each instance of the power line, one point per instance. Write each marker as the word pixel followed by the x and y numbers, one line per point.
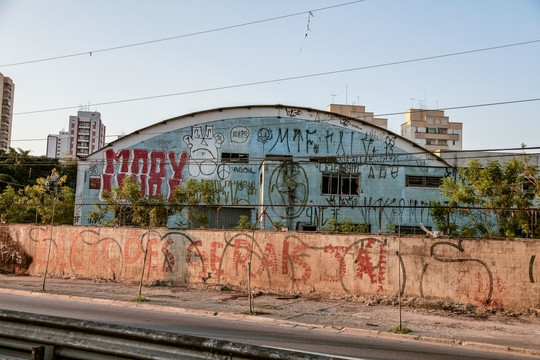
pixel 365 159
pixel 377 115
pixel 91 52
pixel 297 77
pixel 461 107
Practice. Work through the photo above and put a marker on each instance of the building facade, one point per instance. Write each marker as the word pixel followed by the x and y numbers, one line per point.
pixel 86 133
pixel 432 130
pixel 297 166
pixel 7 89
pixel 58 145
pixel 357 112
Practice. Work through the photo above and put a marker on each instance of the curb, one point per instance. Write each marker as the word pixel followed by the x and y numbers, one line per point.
pixel 280 322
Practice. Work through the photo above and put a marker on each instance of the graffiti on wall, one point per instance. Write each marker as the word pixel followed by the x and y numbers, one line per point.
pixel 96 251
pixel 13 257
pixel 448 254
pixel 289 186
pixel 203 144
pixel 475 271
pixel 345 149
pixel 150 167
pixel 364 260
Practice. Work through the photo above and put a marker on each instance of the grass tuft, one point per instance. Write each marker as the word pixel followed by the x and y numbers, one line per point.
pixel 400 330
pixel 139 298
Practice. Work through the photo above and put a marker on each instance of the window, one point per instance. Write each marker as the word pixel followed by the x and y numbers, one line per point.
pixel 340 184
pixel 423 181
pixel 235 157
pixel 442 142
pixel 442 130
pixel 430 130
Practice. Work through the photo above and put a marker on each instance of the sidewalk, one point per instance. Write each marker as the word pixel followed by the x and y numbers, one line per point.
pixel 459 326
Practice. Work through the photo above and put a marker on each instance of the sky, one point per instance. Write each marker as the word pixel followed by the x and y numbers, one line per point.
pixel 337 35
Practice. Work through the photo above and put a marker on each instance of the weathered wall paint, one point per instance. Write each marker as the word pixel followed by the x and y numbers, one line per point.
pixel 502 273
pixel 286 156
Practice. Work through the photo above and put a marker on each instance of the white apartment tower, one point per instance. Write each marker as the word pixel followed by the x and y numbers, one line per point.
pixel 86 133
pixel 58 145
pixel 432 130
pixel 7 90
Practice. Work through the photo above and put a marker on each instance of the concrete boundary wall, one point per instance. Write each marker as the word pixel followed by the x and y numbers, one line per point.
pixel 499 273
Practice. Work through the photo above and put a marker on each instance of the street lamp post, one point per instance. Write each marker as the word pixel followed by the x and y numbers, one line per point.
pixel 53 180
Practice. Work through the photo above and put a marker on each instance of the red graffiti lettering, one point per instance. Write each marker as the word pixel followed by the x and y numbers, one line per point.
pixel 151 255
pixel 297 259
pixel 150 168
pixel 132 250
pixel 168 257
pixel 269 260
pixel 177 167
pixel 339 254
pixel 215 260
pixel 157 172
pixel 241 259
pixel 195 257
pixel 365 265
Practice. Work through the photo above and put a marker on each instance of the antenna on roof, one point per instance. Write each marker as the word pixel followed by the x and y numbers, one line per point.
pixel 333 98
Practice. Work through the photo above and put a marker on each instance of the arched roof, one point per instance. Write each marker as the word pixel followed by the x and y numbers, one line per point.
pixel 274 111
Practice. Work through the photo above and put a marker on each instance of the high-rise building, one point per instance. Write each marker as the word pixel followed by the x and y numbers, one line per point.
pixel 7 89
pixel 432 130
pixel 58 145
pixel 357 112
pixel 86 133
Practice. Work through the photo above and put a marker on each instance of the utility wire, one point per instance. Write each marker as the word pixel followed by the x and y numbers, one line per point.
pixel 377 115
pixel 297 77
pixel 377 159
pixel 92 52
pixel 460 107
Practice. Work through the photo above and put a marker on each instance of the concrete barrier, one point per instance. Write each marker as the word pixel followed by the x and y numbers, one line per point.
pixel 496 273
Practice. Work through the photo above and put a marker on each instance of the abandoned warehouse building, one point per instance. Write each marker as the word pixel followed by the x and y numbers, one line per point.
pixel 294 166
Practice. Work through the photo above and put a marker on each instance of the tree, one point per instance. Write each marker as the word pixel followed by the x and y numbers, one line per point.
pixel 491 198
pixel 129 207
pixel 122 201
pixel 44 202
pixel 193 195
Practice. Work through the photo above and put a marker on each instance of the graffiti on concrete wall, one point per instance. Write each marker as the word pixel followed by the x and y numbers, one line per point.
pixel 364 261
pixel 94 252
pixel 13 257
pixel 450 257
pixel 481 272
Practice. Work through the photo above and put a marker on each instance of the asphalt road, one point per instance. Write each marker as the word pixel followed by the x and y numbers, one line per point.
pixel 324 341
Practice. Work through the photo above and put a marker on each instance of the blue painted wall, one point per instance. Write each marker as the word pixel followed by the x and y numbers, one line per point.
pixel 276 164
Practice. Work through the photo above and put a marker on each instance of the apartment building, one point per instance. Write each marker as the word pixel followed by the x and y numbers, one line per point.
pixel 58 145
pixel 358 112
pixel 86 133
pixel 432 129
pixel 7 89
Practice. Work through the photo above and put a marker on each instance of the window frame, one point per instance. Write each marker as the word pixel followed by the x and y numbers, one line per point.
pixel 340 184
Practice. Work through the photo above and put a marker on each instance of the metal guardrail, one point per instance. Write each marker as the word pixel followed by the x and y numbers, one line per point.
pixel 40 337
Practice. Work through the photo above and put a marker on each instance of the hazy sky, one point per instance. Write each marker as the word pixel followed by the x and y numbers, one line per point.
pixel 357 35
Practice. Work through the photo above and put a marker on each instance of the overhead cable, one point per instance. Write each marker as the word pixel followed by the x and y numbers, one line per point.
pixel 92 52
pixel 297 77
